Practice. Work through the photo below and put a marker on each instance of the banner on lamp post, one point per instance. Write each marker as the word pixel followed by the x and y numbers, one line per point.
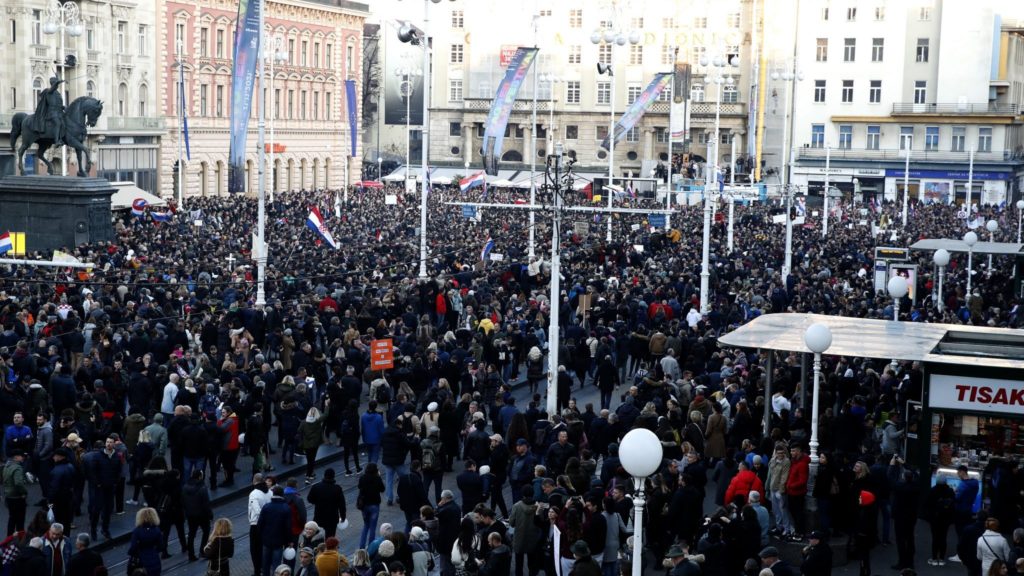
pixel 243 80
pixel 501 109
pixel 638 107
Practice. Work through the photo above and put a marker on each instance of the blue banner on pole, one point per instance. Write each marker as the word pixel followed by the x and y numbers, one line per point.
pixel 469 211
pixel 656 220
pixel 497 118
pixel 350 103
pixel 636 110
pixel 243 81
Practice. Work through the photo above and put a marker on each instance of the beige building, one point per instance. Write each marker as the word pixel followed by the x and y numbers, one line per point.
pixel 113 58
pixel 321 41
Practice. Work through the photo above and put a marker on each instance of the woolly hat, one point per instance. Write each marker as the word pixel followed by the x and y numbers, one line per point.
pixel 866 498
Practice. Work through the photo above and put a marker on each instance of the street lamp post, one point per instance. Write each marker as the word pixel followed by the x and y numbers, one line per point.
pixel 380 166
pixel 63 17
pixel 818 338
pixel 1020 212
pixel 612 38
pixel 971 238
pixel 407 74
pixel 941 259
pixel 898 288
pixel 260 250
pixel 277 54
pixel 992 226
pixel 790 75
pixel 640 454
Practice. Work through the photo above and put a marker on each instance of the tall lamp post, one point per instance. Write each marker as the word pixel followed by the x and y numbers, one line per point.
pixel 971 238
pixel 1020 212
pixel 380 166
pixel 274 53
pixel 63 17
pixel 611 38
pixel 790 74
pixel 640 454
pixel 941 259
pixel 898 288
pixel 818 338
pixel 407 75
pixel 992 226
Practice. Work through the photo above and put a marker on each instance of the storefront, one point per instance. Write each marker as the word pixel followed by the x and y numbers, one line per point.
pixel 944 186
pixel 859 184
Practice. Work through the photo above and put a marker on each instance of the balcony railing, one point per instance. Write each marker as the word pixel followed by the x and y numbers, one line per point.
pixel 519 106
pixel 897 155
pixel 124 60
pixel 135 123
pixel 657 107
pixel 957 108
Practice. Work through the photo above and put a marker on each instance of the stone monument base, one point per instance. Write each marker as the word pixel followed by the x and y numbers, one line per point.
pixel 56 212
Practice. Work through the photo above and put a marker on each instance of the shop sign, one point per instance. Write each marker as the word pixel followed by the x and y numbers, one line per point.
pixel 869 172
pixel 948 174
pixel 976 394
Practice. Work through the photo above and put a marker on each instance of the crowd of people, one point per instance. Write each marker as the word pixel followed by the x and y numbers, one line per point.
pixel 156 371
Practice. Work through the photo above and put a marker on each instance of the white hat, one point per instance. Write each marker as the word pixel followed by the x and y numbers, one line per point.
pixel 485 469
pixel 432 407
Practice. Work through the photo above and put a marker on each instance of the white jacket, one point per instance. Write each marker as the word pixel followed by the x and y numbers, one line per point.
pixel 257 500
pixel 992 545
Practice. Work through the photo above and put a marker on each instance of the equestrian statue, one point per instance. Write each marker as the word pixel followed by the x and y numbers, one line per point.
pixel 53 126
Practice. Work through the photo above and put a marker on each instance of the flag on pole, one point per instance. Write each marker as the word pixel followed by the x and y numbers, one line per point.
pixel 315 221
pixel 183 110
pixel 486 251
pixel 6 244
pixel 472 181
pixel 139 207
pixel 161 216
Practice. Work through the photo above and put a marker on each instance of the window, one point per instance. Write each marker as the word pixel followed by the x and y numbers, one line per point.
pixel 824 13
pixel 572 92
pixel 984 139
pixel 636 23
pixel 925 13
pixel 457 53
pixel 219 104
pixel 822 52
pixel 574 54
pixel 877 49
pixel 906 137
pixel 845 136
pixel 142 100
pixel 922 50
pixel 143 39
pixel 204 42
pixel 633 135
pixel 601 133
pixel 37 89
pixel 219 46
pixel 698 53
pixel 668 55
pixel 350 57
pixel 879 13
pixel 203 96
pixel 697 92
pixel 875 91
pixel 316 54
pixel 817 135
pixel 819 91
pixel 455 90
pixel 545 12
pixel 328 49
pixel 327 105
pixel 702 136
pixel 302 104
pixel 277 103
pixel 90 39
pixel 920 91
pixel 604 53
pixel 572 132
pixel 14 32
pixel 90 88
pixel 851 14
pixel 576 18
pixel 302 53
pixel 636 54
pixel 847 96
pixel 454 129
pixel 668 23
pixel 874 137
pixel 632 93
pixel 849 49
pixel 457 19
pixel 291 51
pixel 730 94
pixel 316 106
pixel 959 139
pixel 931 138
pixel 37 26
pixel 122 36
pixel 700 22
pixel 661 135
pixel 291 104
pixel 14 98
pixel 664 96
pixel 122 99
pixel 604 93
pixel 734 20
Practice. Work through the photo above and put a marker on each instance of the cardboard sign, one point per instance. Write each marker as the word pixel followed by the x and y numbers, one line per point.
pixel 382 354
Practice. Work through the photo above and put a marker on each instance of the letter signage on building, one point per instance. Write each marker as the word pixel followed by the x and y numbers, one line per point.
pixel 976 394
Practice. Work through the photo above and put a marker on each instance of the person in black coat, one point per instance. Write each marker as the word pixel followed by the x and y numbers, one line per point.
pixel 558 454
pixel 328 500
pixel 817 556
pixel 85 560
pixel 412 493
pixel 471 486
pixel 499 561
pixel 906 496
pixel 498 463
pixel 448 519
pixel 195 499
pixel 31 561
pixel 477 446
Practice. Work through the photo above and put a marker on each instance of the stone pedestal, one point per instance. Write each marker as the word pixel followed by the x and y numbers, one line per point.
pixel 56 212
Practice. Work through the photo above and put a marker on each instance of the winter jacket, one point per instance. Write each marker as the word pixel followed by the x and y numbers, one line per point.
pixel 742 484
pixel 195 500
pixel 311 434
pixel 778 474
pixel 14 481
pixel 275 523
pixel 796 482
pixel 992 545
pixel 145 546
pixel 395 446
pixel 372 424
pixel 328 502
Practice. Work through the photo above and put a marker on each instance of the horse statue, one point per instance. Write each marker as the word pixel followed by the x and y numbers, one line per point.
pixel 80 115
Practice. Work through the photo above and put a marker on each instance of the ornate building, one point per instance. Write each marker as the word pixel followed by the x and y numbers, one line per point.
pixel 321 48
pixel 112 57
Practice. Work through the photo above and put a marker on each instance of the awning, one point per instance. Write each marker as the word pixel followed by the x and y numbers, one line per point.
pixel 127 192
pixel 957 245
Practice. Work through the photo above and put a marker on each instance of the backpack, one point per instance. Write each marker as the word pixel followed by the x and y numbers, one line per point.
pixel 383 394
pixel 429 457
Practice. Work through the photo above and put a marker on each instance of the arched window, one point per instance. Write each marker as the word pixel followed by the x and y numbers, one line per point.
pixel 90 89
pixel 37 89
pixel 122 99
pixel 142 100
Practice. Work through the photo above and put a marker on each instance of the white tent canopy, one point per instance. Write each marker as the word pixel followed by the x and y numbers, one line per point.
pixel 127 192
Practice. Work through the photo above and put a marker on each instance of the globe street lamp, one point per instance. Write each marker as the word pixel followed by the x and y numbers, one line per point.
pixel 63 17
pixel 640 454
pixel 991 226
pixel 818 338
pixel 898 288
pixel 380 166
pixel 970 239
pixel 941 259
pixel 1020 211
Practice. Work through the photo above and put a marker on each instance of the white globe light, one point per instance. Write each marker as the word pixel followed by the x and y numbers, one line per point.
pixel 76 30
pixel 719 79
pixel 634 37
pixel 1020 204
pixel 640 453
pixel 970 239
pixel 941 257
pixel 620 40
pixel 775 75
pixel 898 287
pixel 609 35
pixel 719 61
pixel 818 338
pixel 729 81
pixel 992 226
pixel 800 76
pixel 703 60
pixel 379 159
pixel 595 37
pixel 787 76
pixel 50 28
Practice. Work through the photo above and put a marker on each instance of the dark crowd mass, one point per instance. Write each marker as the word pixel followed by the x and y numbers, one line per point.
pixel 152 380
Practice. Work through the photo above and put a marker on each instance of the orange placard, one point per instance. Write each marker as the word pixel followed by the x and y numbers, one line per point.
pixel 382 354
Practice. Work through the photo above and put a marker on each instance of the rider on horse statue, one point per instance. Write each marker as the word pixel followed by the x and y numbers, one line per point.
pixel 49 117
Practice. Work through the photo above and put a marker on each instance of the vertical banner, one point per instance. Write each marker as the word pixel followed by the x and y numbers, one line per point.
pixel 243 80
pixel 350 104
pixel 638 107
pixel 680 107
pixel 497 119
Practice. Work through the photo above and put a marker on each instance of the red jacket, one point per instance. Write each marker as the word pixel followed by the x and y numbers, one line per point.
pixel 799 471
pixel 441 305
pixel 742 484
